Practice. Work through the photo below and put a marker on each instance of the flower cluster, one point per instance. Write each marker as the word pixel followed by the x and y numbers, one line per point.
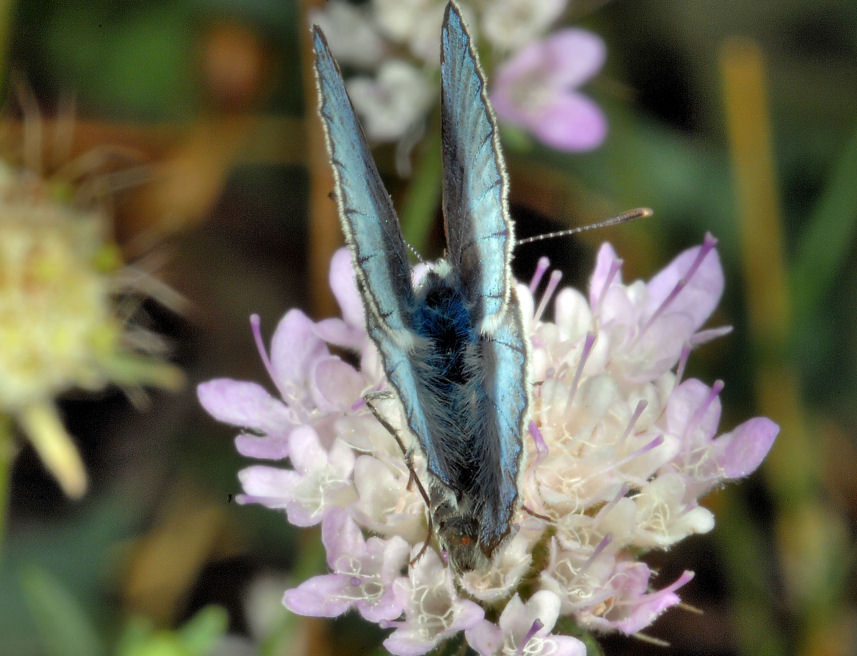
pixel 61 327
pixel 393 47
pixel 619 451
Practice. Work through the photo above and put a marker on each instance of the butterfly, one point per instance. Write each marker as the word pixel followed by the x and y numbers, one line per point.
pixel 453 345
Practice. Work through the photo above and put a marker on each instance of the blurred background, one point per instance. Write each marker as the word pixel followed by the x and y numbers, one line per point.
pixel 190 119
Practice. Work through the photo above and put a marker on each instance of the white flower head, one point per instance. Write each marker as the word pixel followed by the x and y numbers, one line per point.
pixel 392 102
pixel 65 322
pixel 394 46
pixel 619 451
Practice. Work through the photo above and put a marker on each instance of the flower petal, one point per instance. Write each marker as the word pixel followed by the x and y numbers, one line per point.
pixel 341 536
pixel 560 645
pixel 572 56
pixel 511 24
pixel 319 596
pixel 572 314
pixel 608 271
pixel 269 486
pixel 336 386
pixel 351 32
pixel 683 412
pixel 571 122
pixel 649 606
pixel 343 283
pixel 307 452
pixel 701 291
pixel 486 638
pixel 338 332
pixel 262 448
pixel 740 452
pixel 244 404
pixel 392 102
pixel 294 348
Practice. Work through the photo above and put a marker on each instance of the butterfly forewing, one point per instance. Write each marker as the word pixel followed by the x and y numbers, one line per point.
pixel 480 240
pixel 373 233
pixel 365 209
pixel 479 231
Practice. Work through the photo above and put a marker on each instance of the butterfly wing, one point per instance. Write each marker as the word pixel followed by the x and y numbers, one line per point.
pixel 479 232
pixel 372 231
pixel 365 209
pixel 480 239
pixel 503 416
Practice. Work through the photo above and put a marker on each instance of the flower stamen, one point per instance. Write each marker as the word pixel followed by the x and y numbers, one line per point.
pixel 534 629
pixel 553 283
pixel 715 390
pixel 256 329
pixel 541 266
pixel 638 411
pixel 588 343
pixel 539 441
pixel 708 245
pixel 615 267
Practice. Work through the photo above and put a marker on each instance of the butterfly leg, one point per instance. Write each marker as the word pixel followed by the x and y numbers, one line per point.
pixel 409 462
pixel 370 398
pixel 533 513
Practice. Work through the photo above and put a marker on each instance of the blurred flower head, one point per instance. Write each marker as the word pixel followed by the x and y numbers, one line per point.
pixel 392 48
pixel 62 326
pixel 535 89
pixel 619 452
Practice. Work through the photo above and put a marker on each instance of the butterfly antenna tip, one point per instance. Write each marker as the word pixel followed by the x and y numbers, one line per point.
pixel 624 217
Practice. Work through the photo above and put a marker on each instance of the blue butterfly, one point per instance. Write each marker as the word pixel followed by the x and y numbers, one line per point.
pixel 453 348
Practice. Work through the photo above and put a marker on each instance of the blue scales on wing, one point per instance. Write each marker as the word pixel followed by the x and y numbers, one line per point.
pixel 453 347
pixel 480 239
pixel 374 236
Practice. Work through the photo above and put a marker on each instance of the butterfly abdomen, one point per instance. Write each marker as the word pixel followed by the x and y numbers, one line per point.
pixel 446 372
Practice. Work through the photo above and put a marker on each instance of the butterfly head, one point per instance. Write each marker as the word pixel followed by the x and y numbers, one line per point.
pixel 457 528
pixel 459 538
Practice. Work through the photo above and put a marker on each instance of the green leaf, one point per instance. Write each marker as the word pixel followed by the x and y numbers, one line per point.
pixel 63 627
pixel 202 632
pixel 197 637
pixel 828 239
pixel 135 60
pixel 422 200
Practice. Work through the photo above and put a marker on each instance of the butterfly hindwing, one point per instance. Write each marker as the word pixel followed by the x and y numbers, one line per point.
pixel 504 361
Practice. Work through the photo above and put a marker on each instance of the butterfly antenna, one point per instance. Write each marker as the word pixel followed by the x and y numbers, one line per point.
pixel 414 252
pixel 624 217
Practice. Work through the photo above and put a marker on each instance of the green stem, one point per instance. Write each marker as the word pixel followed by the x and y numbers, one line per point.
pixel 826 241
pixel 7 457
pixel 7 12
pixel 748 565
pixel 420 203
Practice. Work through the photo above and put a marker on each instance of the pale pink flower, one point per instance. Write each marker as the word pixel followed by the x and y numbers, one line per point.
pixel 433 609
pixel 537 90
pixel 320 480
pixel 364 572
pixel 524 628
pixel 619 452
